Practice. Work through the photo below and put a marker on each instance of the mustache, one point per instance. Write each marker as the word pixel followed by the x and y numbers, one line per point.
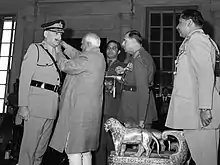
pixel 58 40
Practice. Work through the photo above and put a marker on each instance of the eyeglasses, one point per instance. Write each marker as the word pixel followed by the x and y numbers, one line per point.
pixel 115 48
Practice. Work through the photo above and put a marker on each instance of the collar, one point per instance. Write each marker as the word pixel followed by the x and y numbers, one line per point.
pixel 95 49
pixel 186 39
pixel 195 31
pixel 48 47
pixel 137 54
pixel 112 60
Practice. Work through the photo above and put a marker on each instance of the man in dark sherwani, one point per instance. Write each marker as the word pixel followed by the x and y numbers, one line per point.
pixel 111 100
pixel 137 101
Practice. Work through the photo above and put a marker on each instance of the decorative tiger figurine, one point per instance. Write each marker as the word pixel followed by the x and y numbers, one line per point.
pixel 122 136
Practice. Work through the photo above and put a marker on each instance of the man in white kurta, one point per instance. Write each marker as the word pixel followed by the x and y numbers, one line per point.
pixel 195 101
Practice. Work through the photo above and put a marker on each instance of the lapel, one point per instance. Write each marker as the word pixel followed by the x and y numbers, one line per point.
pixel 112 64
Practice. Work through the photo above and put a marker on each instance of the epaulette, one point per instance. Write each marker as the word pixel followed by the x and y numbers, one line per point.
pixel 142 60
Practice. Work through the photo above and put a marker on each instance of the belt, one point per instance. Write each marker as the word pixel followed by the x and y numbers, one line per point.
pixel 133 88
pixel 39 84
pixel 130 88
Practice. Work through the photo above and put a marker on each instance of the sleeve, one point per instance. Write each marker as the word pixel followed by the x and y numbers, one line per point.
pixel 217 84
pixel 71 52
pixel 73 66
pixel 28 68
pixel 141 78
pixel 199 51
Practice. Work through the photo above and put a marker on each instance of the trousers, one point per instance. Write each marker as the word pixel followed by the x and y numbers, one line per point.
pixel 106 145
pixel 35 140
pixel 80 158
pixel 203 145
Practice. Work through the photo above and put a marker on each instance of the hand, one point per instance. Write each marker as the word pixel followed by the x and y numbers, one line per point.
pixel 24 113
pixel 119 70
pixel 64 45
pixel 18 120
pixel 206 117
pixel 119 78
pixel 141 123
pixel 58 49
pixel 59 53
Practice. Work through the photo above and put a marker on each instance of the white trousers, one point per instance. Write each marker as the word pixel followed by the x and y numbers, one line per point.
pixel 203 145
pixel 80 158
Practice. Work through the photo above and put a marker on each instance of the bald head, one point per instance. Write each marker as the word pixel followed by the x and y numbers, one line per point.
pixel 89 41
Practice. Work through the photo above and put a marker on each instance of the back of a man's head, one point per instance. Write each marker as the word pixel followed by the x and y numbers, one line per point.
pixel 93 39
pixel 136 35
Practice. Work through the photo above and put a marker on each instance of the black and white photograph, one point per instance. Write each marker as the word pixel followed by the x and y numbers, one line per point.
pixel 109 82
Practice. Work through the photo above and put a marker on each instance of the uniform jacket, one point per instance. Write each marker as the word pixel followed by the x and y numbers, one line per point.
pixel 111 104
pixel 80 109
pixel 194 84
pixel 37 65
pixel 141 103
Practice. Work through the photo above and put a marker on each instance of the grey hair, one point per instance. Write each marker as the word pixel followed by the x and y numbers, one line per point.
pixel 93 38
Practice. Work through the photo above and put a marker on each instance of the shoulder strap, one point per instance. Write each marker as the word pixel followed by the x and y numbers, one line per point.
pixel 50 55
pixel 214 45
pixel 37 52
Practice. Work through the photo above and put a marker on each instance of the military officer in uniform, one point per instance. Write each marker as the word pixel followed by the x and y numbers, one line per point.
pixel 38 93
pixel 195 105
pixel 111 100
pixel 137 101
